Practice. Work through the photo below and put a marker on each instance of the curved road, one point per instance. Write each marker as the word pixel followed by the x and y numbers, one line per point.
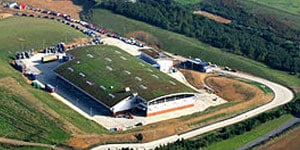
pixel 282 95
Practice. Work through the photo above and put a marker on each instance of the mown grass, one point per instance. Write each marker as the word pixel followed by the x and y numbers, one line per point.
pixel 176 43
pixel 240 140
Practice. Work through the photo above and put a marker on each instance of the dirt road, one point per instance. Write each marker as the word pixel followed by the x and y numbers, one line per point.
pixel 23 143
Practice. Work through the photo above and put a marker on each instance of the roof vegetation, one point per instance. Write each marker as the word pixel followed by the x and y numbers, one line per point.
pixel 106 75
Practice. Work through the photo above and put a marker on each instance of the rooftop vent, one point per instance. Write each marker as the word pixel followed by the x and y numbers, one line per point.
pixel 143 87
pixel 127 72
pixel 127 89
pixel 109 68
pixel 123 58
pixel 111 95
pixel 108 59
pixel 155 76
pixel 71 69
pixel 118 52
pixel 102 88
pixel 89 55
pixel 82 75
pixel 138 78
pixel 150 70
pixel 89 83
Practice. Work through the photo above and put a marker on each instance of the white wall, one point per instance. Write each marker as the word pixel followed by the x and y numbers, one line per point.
pixel 171 104
pixel 165 64
pixel 125 104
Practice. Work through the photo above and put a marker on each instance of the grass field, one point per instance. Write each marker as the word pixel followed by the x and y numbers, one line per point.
pixel 279 10
pixel 240 140
pixel 97 72
pixel 36 116
pixel 185 46
pixel 291 6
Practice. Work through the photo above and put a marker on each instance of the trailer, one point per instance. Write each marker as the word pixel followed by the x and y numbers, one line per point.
pixel 50 58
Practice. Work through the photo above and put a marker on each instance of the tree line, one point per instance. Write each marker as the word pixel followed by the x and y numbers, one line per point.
pixel 248 35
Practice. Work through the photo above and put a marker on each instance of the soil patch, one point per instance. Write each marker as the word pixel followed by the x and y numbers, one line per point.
pixel 233 90
pixel 63 6
pixel 195 78
pixel 213 17
pixel 5 15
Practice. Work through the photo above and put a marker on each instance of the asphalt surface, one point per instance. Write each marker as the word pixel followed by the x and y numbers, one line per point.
pixel 282 95
pixel 271 134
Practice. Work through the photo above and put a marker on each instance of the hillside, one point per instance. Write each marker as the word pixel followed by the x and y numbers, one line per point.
pixel 26 113
pixel 258 37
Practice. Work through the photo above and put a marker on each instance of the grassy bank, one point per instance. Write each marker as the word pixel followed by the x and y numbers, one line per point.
pixel 240 140
pixel 26 113
pixel 185 46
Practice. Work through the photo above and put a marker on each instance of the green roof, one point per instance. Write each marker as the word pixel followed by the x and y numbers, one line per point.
pixel 109 66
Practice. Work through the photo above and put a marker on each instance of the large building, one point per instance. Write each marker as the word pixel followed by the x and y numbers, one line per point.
pixel 157 59
pixel 122 82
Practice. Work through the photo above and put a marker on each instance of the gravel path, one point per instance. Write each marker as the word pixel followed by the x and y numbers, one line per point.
pixel 23 143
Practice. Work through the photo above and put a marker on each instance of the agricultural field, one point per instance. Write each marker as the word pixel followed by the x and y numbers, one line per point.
pixel 290 6
pixel 110 66
pixel 289 139
pixel 179 44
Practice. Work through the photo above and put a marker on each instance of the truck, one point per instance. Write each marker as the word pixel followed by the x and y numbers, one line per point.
pixel 49 58
pixel 49 88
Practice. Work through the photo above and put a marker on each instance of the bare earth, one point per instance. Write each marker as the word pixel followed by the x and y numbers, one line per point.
pixel 233 90
pixel 22 143
pixel 5 15
pixel 63 6
pixel 213 17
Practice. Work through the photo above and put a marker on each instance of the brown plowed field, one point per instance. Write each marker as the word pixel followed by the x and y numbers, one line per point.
pixel 63 6
pixel 213 17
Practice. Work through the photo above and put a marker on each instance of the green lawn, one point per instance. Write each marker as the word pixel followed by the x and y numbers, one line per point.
pixel 240 140
pixel 96 71
pixel 291 6
pixel 185 46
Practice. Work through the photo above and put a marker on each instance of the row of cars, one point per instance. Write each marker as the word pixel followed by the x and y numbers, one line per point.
pixel 83 26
